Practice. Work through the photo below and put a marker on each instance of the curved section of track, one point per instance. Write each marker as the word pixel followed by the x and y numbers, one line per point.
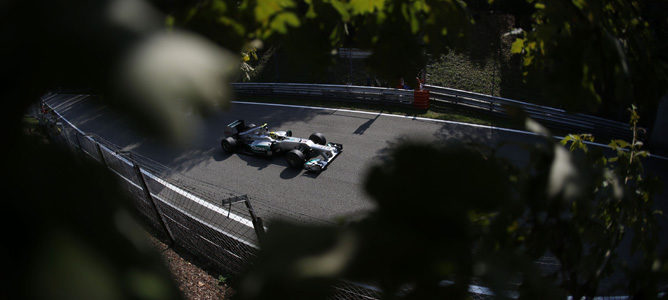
pixel 338 191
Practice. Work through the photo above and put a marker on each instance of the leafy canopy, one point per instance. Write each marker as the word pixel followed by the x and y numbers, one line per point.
pixel 593 52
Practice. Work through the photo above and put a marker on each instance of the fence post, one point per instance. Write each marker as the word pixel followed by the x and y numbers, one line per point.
pixel 99 152
pixel 147 193
pixel 76 135
pixel 257 221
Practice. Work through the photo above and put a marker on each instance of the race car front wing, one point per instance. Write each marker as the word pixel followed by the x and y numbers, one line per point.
pixel 320 162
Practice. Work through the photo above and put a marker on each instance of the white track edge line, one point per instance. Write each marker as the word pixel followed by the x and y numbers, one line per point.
pixel 425 119
pixel 184 193
pixel 250 244
pixel 170 186
pixel 185 212
pixel 202 202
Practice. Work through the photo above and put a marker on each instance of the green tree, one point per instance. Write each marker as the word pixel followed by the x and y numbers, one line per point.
pixel 70 230
pixel 576 206
pixel 397 31
pixel 593 52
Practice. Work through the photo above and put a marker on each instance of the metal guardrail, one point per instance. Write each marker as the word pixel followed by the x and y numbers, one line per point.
pixel 551 117
pixel 351 93
pixel 439 97
pixel 214 227
pixel 354 53
pixel 226 237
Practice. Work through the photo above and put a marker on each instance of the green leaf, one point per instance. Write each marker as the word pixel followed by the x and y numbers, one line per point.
pixel 566 139
pixel 517 45
pixel 360 7
pixel 218 6
pixel 342 8
pixel 579 3
pixel 421 6
pixel 238 28
pixel 281 22
pixel 335 33
pixel 169 21
pixel 311 14
pixel 415 24
pixel 265 9
pixel 618 144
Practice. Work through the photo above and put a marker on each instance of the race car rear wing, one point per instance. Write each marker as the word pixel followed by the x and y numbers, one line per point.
pixel 239 127
pixel 252 129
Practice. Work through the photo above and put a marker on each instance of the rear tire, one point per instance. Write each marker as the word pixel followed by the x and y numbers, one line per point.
pixel 318 138
pixel 295 158
pixel 229 144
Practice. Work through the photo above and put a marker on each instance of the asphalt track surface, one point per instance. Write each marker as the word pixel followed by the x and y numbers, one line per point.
pixel 337 191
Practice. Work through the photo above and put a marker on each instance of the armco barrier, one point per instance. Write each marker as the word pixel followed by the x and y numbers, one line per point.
pixel 221 236
pixel 360 94
pixel 225 237
pixel 549 116
pixel 439 97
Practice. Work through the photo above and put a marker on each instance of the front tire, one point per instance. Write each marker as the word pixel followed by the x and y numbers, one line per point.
pixel 295 158
pixel 229 144
pixel 318 138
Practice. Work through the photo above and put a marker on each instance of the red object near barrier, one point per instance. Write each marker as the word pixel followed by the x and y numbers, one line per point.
pixel 421 99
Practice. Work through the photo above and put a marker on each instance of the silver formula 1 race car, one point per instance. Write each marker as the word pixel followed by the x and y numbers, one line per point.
pixel 312 154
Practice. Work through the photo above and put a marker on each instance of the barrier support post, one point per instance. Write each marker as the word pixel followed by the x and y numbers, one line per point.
pixel 257 221
pixel 99 152
pixel 76 136
pixel 147 193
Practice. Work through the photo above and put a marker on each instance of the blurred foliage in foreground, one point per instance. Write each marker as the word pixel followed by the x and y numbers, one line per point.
pixel 70 230
pixel 71 239
pixel 450 214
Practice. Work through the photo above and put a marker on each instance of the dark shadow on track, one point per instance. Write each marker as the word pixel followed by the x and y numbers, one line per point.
pixel 256 161
pixel 289 173
pixel 260 163
pixel 464 134
pixel 220 155
pixel 384 152
pixel 312 175
pixel 360 130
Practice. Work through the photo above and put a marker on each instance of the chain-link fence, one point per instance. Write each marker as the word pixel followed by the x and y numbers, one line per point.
pixel 217 224
pixel 224 236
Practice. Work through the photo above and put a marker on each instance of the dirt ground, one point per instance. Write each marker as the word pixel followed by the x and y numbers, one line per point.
pixel 193 282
